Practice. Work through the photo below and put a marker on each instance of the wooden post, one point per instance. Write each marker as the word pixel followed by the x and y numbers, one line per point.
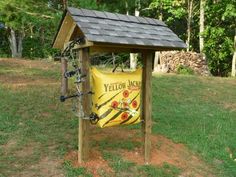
pixel 84 124
pixel 147 103
pixel 64 81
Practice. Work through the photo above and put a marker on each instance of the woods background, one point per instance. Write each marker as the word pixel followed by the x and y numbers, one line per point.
pixel 28 27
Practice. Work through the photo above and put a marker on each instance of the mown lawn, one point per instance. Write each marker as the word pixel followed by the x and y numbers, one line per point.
pixel 201 113
pixel 37 131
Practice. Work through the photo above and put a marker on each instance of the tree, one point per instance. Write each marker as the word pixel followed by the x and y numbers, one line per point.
pixel 233 72
pixel 189 21
pixel 134 56
pixel 22 19
pixel 219 35
pixel 201 26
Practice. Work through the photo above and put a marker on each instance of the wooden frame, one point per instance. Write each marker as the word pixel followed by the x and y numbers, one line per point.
pixel 71 29
pixel 147 103
pixel 84 125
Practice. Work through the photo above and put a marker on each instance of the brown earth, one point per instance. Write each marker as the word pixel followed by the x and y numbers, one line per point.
pixel 19 80
pixel 163 151
pixel 29 63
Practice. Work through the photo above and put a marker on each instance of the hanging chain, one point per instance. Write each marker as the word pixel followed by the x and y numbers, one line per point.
pixel 77 106
pixel 67 51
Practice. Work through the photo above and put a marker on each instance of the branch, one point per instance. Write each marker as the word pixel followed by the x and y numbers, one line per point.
pixel 35 14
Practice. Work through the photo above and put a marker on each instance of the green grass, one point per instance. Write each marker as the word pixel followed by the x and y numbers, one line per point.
pixel 198 112
pixel 72 172
pixel 117 144
pixel 125 168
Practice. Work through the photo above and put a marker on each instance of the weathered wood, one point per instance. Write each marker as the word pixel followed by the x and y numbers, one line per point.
pixel 85 45
pixel 147 103
pixel 70 32
pixel 67 24
pixel 107 47
pixel 64 81
pixel 84 125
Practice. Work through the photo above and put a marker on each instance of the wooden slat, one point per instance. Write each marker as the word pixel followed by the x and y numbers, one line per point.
pixel 84 125
pixel 108 47
pixel 85 45
pixel 67 24
pixel 64 81
pixel 147 103
pixel 70 32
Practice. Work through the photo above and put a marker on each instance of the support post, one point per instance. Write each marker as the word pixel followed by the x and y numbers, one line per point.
pixel 147 104
pixel 84 125
pixel 64 81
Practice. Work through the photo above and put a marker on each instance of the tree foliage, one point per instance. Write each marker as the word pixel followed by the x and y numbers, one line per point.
pixel 38 21
pixel 219 35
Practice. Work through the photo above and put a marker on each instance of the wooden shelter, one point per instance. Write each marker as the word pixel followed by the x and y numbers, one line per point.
pixel 112 32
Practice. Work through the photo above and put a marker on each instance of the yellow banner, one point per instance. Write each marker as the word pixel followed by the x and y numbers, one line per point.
pixel 116 98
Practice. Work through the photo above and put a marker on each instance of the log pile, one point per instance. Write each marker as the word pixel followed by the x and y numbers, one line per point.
pixel 170 61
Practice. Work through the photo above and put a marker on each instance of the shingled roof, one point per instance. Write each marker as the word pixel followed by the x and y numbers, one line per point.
pixel 113 28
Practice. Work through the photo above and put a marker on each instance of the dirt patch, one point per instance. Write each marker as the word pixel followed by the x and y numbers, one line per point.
pixel 18 82
pixel 163 151
pixel 45 167
pixel 9 145
pixel 45 65
pixel 27 150
pixel 95 166
pixel 230 106
pixel 110 132
pixel 166 151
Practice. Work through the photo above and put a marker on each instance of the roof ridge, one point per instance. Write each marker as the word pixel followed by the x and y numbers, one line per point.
pixel 114 16
pixel 113 28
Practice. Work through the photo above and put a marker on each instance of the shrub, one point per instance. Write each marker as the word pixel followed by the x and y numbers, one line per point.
pixel 184 70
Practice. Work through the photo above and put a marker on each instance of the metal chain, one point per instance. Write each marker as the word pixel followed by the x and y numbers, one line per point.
pixel 77 106
pixel 66 52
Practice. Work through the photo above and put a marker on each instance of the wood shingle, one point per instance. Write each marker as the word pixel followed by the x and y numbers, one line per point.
pixel 113 28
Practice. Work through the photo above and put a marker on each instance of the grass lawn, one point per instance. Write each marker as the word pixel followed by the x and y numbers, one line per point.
pixel 201 113
pixel 38 134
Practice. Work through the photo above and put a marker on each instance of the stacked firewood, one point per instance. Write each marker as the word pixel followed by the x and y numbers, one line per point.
pixel 195 61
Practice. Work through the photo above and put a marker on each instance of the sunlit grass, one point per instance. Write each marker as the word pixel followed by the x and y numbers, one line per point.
pixel 199 112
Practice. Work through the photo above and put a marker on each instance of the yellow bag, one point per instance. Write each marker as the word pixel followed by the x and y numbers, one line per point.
pixel 116 98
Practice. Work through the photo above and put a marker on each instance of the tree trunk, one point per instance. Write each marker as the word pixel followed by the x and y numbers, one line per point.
pixel 157 65
pixel 156 62
pixel 64 4
pixel 201 38
pixel 161 11
pixel 15 44
pixel 127 7
pixel 134 56
pixel 189 21
pixel 234 58
pixel 19 45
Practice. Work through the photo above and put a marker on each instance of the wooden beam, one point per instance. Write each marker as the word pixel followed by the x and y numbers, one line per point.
pixel 64 81
pixel 66 25
pixel 108 47
pixel 147 103
pixel 70 32
pixel 85 45
pixel 84 125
